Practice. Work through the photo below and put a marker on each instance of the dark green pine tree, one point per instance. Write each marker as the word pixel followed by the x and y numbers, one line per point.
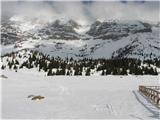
pixel 138 71
pixel 108 72
pixel 88 72
pixel 49 72
pixel 123 72
pixel 155 72
pixel 2 67
pixel 57 72
pixel 115 72
pixel 80 72
pixel 76 71
pixel 62 72
pixel 44 66
pixel 16 62
pixel 10 65
pixel 68 73
pixel 103 73
pixel 15 68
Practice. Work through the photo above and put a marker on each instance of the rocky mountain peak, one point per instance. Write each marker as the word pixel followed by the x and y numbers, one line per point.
pixel 117 29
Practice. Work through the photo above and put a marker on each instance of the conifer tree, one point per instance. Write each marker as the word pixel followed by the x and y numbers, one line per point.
pixel 49 72
pixel 68 73
pixel 15 68
pixel 115 72
pixel 16 62
pixel 103 73
pixel 2 67
pixel 88 72
pixel 123 72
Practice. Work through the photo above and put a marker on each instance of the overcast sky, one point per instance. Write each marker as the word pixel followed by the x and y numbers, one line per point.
pixel 85 11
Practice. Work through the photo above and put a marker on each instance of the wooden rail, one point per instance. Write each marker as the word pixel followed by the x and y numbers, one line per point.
pixel 152 93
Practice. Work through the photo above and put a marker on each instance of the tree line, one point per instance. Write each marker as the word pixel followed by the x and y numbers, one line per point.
pixel 87 66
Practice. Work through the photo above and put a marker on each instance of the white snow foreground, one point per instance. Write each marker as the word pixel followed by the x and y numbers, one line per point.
pixel 92 97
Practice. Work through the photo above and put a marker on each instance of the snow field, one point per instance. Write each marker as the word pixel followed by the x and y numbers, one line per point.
pixel 92 97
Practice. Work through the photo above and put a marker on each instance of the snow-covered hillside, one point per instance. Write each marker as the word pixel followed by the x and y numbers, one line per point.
pixel 75 97
pixel 85 67
pixel 80 60
pixel 67 38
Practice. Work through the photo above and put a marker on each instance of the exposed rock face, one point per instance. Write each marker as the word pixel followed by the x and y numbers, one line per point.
pixel 73 24
pixel 116 30
pixel 58 30
pixel 9 34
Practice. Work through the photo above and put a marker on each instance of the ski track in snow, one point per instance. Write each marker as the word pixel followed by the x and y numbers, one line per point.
pixel 94 97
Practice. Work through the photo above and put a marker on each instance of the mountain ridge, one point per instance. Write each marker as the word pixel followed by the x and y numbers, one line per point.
pixel 107 39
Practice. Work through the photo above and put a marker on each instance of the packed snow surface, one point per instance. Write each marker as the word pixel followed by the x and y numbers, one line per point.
pixel 92 97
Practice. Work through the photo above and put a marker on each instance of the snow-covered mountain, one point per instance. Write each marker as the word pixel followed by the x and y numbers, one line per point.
pixel 59 30
pixel 67 38
pixel 117 29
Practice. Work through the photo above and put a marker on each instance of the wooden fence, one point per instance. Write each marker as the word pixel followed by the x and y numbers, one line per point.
pixel 152 93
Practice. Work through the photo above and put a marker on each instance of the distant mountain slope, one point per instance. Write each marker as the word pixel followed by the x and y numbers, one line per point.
pixel 58 30
pixel 66 38
pixel 117 29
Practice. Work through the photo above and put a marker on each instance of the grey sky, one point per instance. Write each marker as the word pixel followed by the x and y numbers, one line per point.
pixel 85 12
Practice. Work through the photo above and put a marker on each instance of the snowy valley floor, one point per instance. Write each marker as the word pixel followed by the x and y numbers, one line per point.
pixel 94 97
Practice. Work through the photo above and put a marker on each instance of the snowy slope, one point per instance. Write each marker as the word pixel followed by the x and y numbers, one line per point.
pixel 67 38
pixel 75 97
pixel 145 44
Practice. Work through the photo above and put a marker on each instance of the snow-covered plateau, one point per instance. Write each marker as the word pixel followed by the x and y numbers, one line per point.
pixel 92 97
